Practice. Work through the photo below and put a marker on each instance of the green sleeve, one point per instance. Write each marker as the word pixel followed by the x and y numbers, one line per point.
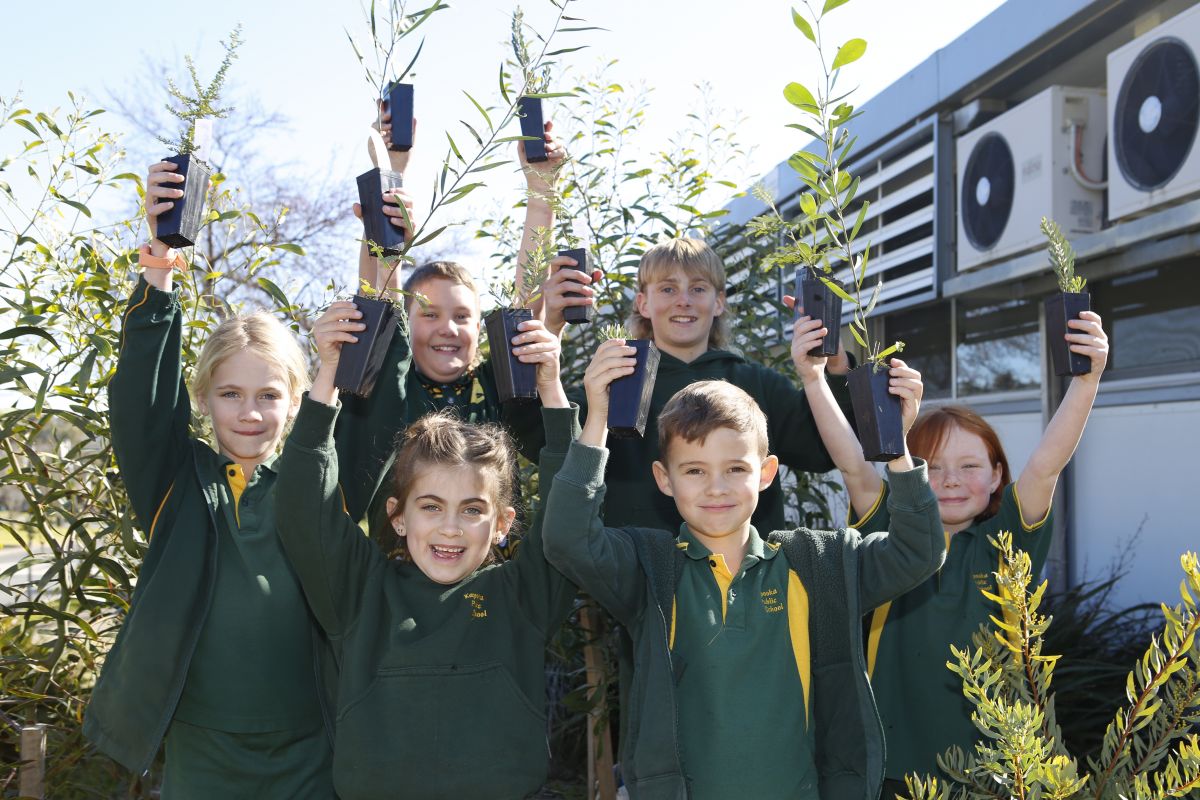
pixel 148 400
pixel 367 428
pixel 546 594
pixel 791 427
pixel 601 561
pixel 914 546
pixel 332 558
pixel 1032 536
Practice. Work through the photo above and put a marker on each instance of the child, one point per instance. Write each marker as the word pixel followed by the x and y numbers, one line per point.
pixel 744 673
pixel 681 304
pixel 441 689
pixel 920 701
pixel 218 650
pixel 435 363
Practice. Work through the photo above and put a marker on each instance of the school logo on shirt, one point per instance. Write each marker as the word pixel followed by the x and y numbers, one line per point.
pixel 477 600
pixel 983 580
pixel 772 602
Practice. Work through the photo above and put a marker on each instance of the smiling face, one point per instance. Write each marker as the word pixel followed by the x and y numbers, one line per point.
pixel 681 309
pixel 450 520
pixel 963 477
pixel 716 483
pixel 445 330
pixel 250 406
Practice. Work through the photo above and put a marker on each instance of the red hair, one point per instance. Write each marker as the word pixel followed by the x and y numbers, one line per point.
pixel 929 433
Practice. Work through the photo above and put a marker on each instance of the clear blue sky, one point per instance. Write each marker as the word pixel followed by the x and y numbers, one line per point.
pixel 296 60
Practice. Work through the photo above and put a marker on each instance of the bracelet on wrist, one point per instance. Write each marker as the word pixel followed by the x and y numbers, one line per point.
pixel 173 260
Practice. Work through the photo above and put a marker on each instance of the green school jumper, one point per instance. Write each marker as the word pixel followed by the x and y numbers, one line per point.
pixel 773 654
pixel 368 428
pixel 908 643
pixel 218 650
pixel 634 498
pixel 441 689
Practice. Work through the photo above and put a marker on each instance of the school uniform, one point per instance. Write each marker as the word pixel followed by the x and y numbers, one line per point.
pixel 634 497
pixel 368 428
pixel 218 653
pixel 441 689
pixel 746 685
pixel 920 701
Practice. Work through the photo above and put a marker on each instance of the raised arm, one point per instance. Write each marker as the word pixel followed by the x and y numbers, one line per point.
pixel 540 181
pixel 1035 486
pixel 602 561
pixel 147 397
pixel 326 548
pixel 913 548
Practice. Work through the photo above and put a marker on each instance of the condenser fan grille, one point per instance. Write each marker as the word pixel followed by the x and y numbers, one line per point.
pixel 1157 114
pixel 987 191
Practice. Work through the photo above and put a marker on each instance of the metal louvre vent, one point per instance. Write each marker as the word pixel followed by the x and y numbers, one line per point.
pixel 1157 114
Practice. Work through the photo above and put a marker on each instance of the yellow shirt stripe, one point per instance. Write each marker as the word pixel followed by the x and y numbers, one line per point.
pixel 797 610
pixel 154 522
pixel 237 485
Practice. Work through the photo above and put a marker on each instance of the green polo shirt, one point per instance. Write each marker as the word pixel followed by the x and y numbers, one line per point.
pixel 251 670
pixel 740 646
pixel 908 642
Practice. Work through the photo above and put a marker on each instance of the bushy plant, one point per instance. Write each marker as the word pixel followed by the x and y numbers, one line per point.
pixel 1062 257
pixel 1150 749
pixel 203 102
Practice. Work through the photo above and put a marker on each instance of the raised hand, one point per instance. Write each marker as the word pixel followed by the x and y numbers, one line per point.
pixel 163 187
pixel 905 383
pixel 336 327
pixel 613 359
pixel 560 282
pixel 541 177
pixel 538 346
pixel 1089 339
pixel 398 159
pixel 838 365
pixel 808 333
pixel 396 198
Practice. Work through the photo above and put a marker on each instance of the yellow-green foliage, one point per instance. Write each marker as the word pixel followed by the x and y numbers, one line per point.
pixel 1150 748
pixel 1062 257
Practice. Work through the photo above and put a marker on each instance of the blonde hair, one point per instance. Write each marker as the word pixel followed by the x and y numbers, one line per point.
pixel 697 260
pixel 700 408
pixel 261 333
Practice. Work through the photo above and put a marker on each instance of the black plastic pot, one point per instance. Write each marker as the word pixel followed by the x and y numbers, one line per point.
pixel 377 226
pixel 399 103
pixel 629 397
pixel 578 315
pixel 878 414
pixel 515 380
pixel 362 361
pixel 1061 307
pixel 179 226
pixel 529 109
pixel 815 299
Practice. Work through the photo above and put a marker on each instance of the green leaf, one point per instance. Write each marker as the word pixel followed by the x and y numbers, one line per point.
pixel 830 5
pixel 850 52
pixel 276 293
pixel 862 217
pixel 29 330
pixel 801 23
pixel 481 110
pixel 429 237
pixel 799 96
pixel 290 247
pixel 808 205
pixel 838 290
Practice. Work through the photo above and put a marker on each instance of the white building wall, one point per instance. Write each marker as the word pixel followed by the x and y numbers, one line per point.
pixel 1135 468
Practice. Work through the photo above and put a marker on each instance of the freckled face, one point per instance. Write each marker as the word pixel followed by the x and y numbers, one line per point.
pixel 445 330
pixel 250 407
pixel 963 477
pixel 451 520
pixel 716 484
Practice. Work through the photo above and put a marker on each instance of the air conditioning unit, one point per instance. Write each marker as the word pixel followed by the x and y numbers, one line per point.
pixel 1041 158
pixel 1154 83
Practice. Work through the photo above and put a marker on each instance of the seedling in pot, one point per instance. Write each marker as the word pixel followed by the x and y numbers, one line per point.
pixel 180 225
pixel 1064 305
pixel 382 311
pixel 820 240
pixel 536 87
pixel 516 380
pixel 629 396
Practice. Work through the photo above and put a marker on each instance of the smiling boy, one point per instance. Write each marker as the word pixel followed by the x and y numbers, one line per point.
pixel 744 672
pixel 681 305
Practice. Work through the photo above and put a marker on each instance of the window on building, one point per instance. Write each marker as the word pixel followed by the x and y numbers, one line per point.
pixel 1152 317
pixel 926 336
pixel 998 347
